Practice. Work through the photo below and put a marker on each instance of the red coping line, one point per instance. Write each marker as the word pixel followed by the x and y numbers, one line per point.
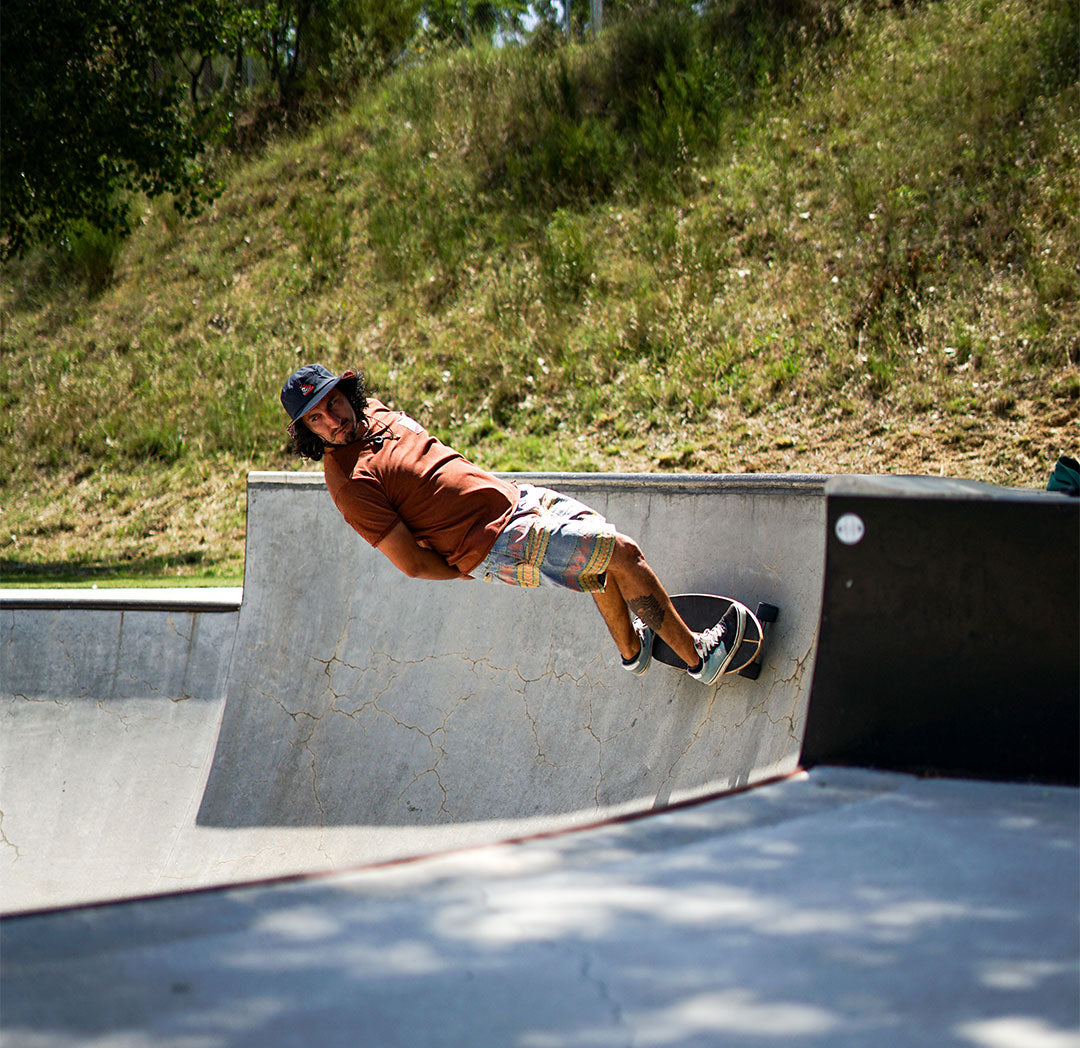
pixel 281 880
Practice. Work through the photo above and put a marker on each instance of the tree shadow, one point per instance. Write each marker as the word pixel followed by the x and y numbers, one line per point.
pixel 800 914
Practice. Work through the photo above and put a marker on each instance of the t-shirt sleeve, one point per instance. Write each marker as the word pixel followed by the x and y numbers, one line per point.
pixel 364 505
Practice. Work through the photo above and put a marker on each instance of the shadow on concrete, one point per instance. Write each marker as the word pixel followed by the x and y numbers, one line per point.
pixel 844 909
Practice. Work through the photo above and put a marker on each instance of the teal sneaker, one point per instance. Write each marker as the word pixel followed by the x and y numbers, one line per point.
pixel 717 646
pixel 640 663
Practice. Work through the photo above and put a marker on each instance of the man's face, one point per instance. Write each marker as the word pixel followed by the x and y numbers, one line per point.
pixel 333 421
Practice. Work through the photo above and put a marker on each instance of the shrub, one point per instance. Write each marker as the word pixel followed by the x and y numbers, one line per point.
pixel 94 253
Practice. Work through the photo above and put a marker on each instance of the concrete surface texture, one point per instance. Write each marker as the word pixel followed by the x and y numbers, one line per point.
pixel 343 715
pixel 837 909
pixel 349 715
pixel 109 721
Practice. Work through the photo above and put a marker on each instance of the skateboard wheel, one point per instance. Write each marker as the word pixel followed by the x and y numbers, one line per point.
pixel 767 612
pixel 752 671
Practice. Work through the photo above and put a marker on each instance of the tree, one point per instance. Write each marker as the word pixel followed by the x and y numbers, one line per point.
pixel 87 112
pixel 469 21
pixel 301 41
pixel 366 36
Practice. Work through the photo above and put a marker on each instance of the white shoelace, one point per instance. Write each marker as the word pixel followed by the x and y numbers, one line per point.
pixel 710 639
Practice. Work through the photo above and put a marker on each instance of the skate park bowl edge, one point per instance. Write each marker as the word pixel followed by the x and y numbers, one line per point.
pixel 342 715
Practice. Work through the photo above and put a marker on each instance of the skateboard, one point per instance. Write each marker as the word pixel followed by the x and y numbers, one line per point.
pixel 700 611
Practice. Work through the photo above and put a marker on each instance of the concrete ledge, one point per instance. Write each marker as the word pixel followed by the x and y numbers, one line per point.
pixel 940 489
pixel 660 483
pixel 204 598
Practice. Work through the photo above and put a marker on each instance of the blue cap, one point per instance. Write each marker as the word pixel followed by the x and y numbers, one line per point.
pixel 305 388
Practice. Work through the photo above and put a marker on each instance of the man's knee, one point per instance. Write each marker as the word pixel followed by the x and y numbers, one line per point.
pixel 627 553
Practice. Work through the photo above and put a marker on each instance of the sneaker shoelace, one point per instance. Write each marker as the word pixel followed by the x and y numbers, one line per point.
pixel 711 638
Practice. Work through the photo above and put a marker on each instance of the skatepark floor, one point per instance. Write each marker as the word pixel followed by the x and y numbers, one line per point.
pixel 839 907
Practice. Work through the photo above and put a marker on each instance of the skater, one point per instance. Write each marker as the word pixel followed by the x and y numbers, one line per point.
pixel 436 515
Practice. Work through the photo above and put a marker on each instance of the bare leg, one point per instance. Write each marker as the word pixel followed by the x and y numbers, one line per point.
pixel 617 618
pixel 634 588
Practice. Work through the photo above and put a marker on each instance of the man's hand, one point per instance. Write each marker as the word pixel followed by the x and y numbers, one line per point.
pixel 401 549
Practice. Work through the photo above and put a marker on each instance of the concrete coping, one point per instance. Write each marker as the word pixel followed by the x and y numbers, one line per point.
pixel 668 483
pixel 202 598
pixel 938 489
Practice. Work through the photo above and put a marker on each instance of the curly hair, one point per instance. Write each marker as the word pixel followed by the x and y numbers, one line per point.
pixel 304 443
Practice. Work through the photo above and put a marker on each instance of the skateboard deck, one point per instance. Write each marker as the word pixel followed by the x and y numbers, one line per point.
pixel 701 611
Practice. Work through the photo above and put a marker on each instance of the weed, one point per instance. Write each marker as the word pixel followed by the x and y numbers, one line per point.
pixel 567 257
pixel 323 230
pixel 880 372
pixel 1004 405
pixel 784 370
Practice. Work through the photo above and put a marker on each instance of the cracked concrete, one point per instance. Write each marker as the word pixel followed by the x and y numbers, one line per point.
pixel 7 842
pixel 397 718
pixel 478 704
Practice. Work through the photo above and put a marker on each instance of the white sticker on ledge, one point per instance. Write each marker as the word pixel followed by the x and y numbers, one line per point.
pixel 850 529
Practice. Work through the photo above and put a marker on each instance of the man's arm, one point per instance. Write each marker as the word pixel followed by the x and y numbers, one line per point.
pixel 401 549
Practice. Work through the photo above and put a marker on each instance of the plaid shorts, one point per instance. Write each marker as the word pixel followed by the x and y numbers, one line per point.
pixel 551 540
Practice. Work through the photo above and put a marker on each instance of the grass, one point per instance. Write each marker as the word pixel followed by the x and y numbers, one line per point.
pixel 60 578
pixel 850 247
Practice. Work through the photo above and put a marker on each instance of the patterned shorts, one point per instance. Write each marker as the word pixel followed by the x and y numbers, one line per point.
pixel 551 540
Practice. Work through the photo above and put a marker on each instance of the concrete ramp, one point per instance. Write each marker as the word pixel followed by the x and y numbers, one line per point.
pixel 109 712
pixel 359 699
pixel 365 717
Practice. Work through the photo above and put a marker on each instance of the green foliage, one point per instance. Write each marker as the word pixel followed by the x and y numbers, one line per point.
pixel 78 130
pixel 94 253
pixel 356 40
pixel 714 243
pixel 322 228
pixel 557 149
pixel 145 85
pixel 948 171
pixel 472 21
pixel 568 257
pixel 664 85
pixel 419 224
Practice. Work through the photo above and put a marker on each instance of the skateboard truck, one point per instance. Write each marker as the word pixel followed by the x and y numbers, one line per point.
pixel 766 614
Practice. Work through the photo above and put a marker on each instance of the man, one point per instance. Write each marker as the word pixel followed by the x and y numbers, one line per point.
pixel 435 515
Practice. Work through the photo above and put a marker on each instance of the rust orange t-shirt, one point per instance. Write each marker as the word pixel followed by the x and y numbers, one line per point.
pixel 448 504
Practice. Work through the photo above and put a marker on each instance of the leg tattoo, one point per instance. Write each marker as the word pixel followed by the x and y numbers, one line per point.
pixel 650 612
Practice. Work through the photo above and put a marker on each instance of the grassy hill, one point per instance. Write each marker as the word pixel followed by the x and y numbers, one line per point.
pixel 721 244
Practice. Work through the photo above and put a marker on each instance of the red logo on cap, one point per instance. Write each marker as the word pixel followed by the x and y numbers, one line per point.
pixel 306 390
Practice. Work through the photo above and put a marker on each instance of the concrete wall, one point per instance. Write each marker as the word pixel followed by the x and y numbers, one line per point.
pixel 108 720
pixel 361 698
pixel 369 717
pixel 950 630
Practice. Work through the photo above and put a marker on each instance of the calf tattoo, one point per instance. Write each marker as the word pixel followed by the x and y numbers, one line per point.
pixel 650 612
